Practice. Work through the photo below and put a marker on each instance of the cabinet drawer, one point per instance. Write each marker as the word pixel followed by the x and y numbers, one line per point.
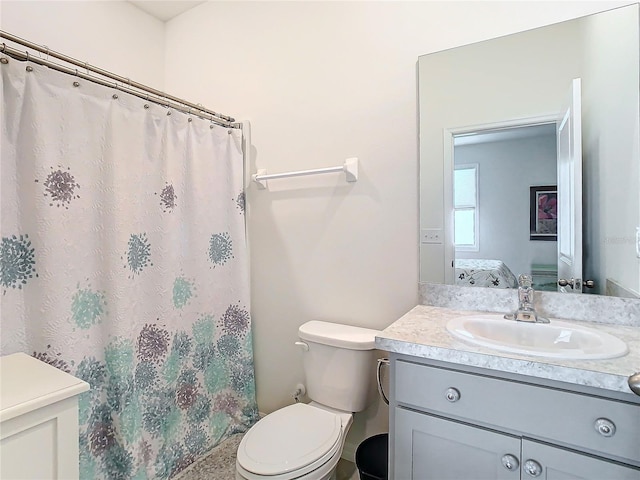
pixel 539 412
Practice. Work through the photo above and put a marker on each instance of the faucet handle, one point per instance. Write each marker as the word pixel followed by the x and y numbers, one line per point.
pixel 525 280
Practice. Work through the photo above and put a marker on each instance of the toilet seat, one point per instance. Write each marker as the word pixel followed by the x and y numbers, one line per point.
pixel 290 442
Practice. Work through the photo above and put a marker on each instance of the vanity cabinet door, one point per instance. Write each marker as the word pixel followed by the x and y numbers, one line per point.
pixel 431 448
pixel 545 462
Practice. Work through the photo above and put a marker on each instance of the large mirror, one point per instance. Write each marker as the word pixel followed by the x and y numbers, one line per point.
pixel 530 158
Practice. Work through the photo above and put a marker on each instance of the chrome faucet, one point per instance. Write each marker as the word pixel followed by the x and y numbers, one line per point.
pixel 525 311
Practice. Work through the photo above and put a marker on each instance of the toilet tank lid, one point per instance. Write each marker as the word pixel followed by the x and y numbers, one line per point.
pixel 338 335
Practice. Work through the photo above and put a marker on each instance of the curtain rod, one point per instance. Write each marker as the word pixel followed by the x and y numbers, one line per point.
pixel 125 85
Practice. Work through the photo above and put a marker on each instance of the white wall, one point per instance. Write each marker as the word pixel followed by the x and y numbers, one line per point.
pixel 612 191
pixel 507 169
pixel 113 35
pixel 320 82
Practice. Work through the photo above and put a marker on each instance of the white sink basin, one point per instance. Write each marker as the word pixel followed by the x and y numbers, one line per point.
pixel 553 340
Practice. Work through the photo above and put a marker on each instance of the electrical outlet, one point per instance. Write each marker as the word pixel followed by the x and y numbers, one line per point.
pixel 431 235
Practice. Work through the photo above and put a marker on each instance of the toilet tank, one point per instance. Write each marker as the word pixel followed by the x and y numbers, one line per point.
pixel 339 364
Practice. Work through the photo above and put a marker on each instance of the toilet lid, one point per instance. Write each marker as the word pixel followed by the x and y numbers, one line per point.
pixel 290 439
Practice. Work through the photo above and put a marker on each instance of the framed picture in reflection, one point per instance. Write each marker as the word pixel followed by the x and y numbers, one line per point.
pixel 543 214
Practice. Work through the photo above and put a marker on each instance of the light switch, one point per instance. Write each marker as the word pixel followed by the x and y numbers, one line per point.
pixel 431 235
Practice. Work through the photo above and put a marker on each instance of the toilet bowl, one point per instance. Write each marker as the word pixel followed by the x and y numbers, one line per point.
pixel 301 441
pixel 305 441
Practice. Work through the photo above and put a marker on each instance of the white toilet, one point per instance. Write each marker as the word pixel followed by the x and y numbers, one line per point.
pixel 304 441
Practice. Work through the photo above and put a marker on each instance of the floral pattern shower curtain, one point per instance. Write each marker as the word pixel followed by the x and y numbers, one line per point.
pixel 123 262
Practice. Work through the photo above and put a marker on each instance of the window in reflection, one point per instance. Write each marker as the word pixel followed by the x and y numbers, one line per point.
pixel 465 180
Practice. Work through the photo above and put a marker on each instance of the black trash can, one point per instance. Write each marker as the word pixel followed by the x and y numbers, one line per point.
pixel 372 457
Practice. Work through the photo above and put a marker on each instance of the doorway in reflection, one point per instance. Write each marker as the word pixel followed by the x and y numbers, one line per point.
pixel 494 172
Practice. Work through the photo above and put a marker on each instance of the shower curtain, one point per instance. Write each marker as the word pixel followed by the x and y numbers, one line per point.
pixel 123 262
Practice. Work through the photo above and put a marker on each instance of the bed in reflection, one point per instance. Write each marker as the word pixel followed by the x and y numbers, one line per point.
pixel 479 272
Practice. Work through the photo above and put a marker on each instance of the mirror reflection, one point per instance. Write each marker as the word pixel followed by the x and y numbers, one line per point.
pixel 529 158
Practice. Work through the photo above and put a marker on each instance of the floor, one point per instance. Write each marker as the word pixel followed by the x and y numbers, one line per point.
pixel 220 464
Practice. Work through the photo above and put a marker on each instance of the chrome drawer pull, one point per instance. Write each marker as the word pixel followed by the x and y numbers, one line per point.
pixel 605 427
pixel 452 394
pixel 634 383
pixel 533 468
pixel 510 462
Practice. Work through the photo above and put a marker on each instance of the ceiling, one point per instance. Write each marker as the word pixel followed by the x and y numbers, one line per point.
pixel 165 10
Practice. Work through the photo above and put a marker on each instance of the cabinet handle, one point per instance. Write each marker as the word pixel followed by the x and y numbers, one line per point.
pixel 533 468
pixel 566 283
pixel 605 427
pixel 452 394
pixel 634 383
pixel 510 462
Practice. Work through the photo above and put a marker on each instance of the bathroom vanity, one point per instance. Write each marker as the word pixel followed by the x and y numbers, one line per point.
pixel 38 420
pixel 459 410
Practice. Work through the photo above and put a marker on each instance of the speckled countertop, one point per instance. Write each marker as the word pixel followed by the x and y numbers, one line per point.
pixel 422 332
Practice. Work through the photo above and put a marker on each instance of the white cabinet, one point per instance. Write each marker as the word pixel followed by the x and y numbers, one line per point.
pixel 38 420
pixel 449 423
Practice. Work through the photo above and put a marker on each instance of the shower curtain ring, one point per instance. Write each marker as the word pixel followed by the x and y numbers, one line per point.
pixel 115 95
pixel 27 55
